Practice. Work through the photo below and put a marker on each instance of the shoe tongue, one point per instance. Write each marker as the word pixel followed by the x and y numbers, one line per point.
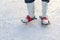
pixel 44 18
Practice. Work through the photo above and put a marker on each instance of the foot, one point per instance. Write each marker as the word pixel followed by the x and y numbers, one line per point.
pixel 28 19
pixel 45 21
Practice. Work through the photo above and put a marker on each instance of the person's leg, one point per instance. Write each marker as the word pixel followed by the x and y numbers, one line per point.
pixel 44 7
pixel 44 11
pixel 30 7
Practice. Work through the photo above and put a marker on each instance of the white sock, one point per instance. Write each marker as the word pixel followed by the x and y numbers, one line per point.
pixel 44 9
pixel 30 7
